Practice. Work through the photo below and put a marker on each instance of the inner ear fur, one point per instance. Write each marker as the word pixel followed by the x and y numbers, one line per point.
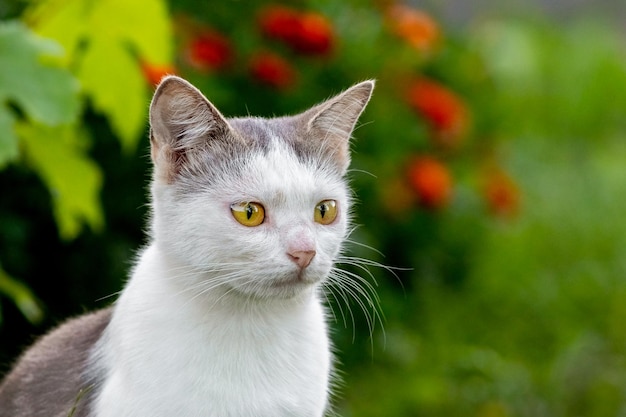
pixel 182 121
pixel 332 122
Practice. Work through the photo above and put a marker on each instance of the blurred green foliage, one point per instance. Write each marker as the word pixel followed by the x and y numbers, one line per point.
pixel 45 92
pixel 488 169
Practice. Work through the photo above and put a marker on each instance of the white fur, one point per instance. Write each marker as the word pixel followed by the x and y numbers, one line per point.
pixel 212 322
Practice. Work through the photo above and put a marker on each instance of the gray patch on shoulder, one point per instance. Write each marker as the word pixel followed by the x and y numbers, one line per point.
pixel 52 379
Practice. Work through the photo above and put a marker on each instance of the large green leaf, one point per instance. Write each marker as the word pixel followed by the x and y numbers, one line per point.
pixel 73 179
pixel 108 41
pixel 119 90
pixel 142 24
pixel 31 79
pixel 66 22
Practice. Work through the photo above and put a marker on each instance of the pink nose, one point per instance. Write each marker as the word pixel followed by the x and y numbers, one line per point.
pixel 302 257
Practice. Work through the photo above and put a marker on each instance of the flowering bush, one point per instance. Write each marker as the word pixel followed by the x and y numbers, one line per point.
pixel 290 48
pixel 444 112
pixel 272 70
pixel 306 33
pixel 430 181
pixel 414 26
pixel 208 51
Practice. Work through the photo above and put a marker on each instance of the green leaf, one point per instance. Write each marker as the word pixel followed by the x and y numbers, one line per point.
pixel 66 23
pixel 142 24
pixel 109 40
pixel 31 78
pixel 118 91
pixel 74 180
pixel 21 295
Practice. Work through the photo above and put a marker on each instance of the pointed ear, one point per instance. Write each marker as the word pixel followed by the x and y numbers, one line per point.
pixel 332 122
pixel 182 120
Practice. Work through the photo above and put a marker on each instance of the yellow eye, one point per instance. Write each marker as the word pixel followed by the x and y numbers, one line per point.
pixel 248 214
pixel 326 212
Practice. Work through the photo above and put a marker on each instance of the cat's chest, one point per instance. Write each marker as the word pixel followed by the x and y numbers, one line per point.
pixel 242 348
pixel 225 370
pixel 174 362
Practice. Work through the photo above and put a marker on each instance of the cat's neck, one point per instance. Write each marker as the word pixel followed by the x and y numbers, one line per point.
pixel 154 306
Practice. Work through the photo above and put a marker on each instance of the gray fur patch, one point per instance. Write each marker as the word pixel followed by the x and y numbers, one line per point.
pixel 261 134
pixel 52 378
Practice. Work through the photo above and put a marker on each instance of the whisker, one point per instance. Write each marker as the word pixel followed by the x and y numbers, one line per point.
pixel 106 297
pixel 359 265
pixel 368 262
pixel 355 290
pixel 340 290
pixel 363 245
pixel 366 289
pixel 328 303
pixel 362 171
pixel 337 303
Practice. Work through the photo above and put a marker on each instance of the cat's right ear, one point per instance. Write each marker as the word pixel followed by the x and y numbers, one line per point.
pixel 182 120
pixel 333 121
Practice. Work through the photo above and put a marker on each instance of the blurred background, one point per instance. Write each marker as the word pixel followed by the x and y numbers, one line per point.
pixel 490 169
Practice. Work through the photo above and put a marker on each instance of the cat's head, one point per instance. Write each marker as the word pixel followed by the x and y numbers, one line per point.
pixel 261 206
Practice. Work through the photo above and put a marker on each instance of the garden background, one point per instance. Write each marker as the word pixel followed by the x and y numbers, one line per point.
pixel 490 168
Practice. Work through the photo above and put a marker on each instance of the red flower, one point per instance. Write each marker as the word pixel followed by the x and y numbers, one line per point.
pixel 501 193
pixel 431 181
pixel 307 33
pixel 209 51
pixel 154 73
pixel 443 110
pixel 279 22
pixel 414 26
pixel 272 70
pixel 315 35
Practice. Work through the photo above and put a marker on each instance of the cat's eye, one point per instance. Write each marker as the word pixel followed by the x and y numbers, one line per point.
pixel 326 212
pixel 248 214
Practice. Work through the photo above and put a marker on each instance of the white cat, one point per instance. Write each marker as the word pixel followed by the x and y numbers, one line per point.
pixel 222 315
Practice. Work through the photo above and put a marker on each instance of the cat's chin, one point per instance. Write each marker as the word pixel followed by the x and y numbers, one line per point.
pixel 284 287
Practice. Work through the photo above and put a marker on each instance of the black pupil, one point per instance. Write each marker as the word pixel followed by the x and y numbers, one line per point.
pixel 323 210
pixel 249 211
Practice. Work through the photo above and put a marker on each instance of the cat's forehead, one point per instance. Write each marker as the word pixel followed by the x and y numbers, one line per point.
pixel 276 169
pixel 266 134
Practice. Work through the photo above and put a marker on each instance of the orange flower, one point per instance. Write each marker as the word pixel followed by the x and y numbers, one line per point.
pixel 431 181
pixel 444 111
pixel 272 70
pixel 501 193
pixel 209 51
pixel 414 26
pixel 153 73
pixel 307 33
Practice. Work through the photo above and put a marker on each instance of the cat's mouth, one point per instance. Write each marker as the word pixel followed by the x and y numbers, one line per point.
pixel 294 283
pixel 298 279
pixel 282 285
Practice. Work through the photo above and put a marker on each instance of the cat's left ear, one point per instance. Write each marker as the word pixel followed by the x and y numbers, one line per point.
pixel 333 121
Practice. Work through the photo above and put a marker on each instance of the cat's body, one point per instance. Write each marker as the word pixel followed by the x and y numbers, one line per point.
pixel 222 315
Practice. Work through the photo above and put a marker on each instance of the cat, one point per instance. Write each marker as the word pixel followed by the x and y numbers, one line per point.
pixel 222 315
